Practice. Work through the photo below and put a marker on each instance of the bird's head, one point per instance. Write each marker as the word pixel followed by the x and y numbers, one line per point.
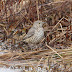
pixel 38 23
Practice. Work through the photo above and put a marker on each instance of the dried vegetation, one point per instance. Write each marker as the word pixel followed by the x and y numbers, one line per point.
pixel 17 16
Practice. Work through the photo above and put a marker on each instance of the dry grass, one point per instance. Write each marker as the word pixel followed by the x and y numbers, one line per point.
pixel 55 54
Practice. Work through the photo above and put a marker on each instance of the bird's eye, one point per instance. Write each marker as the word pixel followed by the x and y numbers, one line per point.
pixel 39 23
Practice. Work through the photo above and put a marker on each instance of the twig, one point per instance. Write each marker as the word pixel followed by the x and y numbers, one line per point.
pixel 2 25
pixel 58 37
pixel 37 9
pixel 61 27
pixel 55 26
pixel 52 3
pixel 39 62
pixel 53 50
pixel 5 30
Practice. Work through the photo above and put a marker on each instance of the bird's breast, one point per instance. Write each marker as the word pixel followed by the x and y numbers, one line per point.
pixel 39 32
pixel 37 37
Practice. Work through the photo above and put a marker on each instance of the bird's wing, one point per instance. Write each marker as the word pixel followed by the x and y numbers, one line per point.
pixel 30 33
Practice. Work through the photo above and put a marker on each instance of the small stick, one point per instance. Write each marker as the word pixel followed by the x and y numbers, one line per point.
pixel 61 27
pixel 55 26
pixel 37 9
pixel 54 50
pixel 58 37
pixel 5 30
pixel 2 25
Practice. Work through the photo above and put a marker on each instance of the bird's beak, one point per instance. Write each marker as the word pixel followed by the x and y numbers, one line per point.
pixel 44 22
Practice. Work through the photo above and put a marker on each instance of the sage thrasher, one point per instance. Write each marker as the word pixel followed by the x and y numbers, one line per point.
pixel 35 33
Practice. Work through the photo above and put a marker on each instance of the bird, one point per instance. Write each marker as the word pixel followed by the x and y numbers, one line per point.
pixel 35 33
